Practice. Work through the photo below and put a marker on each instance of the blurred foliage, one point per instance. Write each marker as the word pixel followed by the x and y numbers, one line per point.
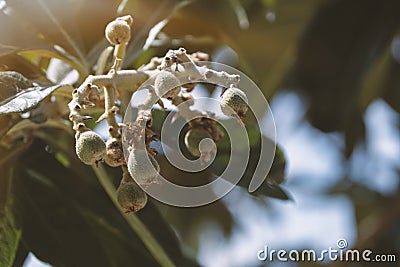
pixel 340 55
pixel 334 58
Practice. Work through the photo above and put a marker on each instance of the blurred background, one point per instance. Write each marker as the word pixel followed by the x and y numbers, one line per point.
pixel 330 70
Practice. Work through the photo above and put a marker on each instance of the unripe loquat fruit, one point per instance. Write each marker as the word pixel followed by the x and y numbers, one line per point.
pixel 131 197
pixel 118 32
pixel 115 153
pixel 234 102
pixel 90 147
pixel 167 85
pixel 142 166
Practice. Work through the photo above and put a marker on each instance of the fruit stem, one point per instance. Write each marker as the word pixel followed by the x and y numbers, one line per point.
pixel 119 54
pixel 110 110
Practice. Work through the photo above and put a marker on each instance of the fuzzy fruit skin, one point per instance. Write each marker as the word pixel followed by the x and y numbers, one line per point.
pixel 118 32
pixel 115 153
pixel 192 141
pixel 234 101
pixel 166 85
pixel 90 147
pixel 142 166
pixel 131 197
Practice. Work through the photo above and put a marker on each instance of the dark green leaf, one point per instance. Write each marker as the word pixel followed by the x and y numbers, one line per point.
pixel 269 186
pixel 191 222
pixel 391 85
pixel 188 220
pixel 58 197
pixel 276 175
pixel 27 99
pixel 165 235
pixel 68 218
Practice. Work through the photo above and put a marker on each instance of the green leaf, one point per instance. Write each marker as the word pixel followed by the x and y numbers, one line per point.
pixel 27 99
pixel 10 236
pixel 10 233
pixel 21 255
